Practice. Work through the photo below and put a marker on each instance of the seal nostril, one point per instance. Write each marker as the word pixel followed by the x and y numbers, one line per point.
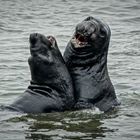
pixel 33 38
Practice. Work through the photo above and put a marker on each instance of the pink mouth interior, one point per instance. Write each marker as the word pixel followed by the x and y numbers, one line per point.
pixel 80 39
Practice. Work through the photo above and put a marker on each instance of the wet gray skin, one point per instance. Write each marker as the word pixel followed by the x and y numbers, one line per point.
pixel 86 59
pixel 51 85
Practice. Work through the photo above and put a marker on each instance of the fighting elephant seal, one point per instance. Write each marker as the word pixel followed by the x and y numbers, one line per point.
pixel 51 85
pixel 86 59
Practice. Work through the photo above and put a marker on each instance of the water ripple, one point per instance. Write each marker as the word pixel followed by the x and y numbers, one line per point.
pixel 59 18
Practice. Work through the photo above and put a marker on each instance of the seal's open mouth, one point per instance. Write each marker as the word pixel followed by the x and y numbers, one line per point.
pixel 86 33
pixel 81 40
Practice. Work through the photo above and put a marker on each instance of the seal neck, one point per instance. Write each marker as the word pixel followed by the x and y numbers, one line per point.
pixel 85 56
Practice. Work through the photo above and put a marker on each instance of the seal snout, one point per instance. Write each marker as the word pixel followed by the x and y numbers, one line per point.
pixel 33 38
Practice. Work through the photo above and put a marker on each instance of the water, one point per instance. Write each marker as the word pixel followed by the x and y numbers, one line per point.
pixel 19 18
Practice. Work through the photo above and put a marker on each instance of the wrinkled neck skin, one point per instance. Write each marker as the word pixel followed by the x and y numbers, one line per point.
pixel 88 69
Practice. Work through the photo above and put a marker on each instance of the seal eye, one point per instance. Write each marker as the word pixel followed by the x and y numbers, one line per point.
pixel 102 33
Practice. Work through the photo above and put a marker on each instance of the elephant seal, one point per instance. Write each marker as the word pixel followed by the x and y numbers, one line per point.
pixel 86 58
pixel 51 87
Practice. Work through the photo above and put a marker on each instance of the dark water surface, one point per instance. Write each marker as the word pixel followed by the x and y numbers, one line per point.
pixel 19 18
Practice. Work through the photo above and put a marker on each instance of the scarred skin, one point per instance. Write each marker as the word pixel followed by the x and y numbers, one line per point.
pixel 51 85
pixel 86 59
